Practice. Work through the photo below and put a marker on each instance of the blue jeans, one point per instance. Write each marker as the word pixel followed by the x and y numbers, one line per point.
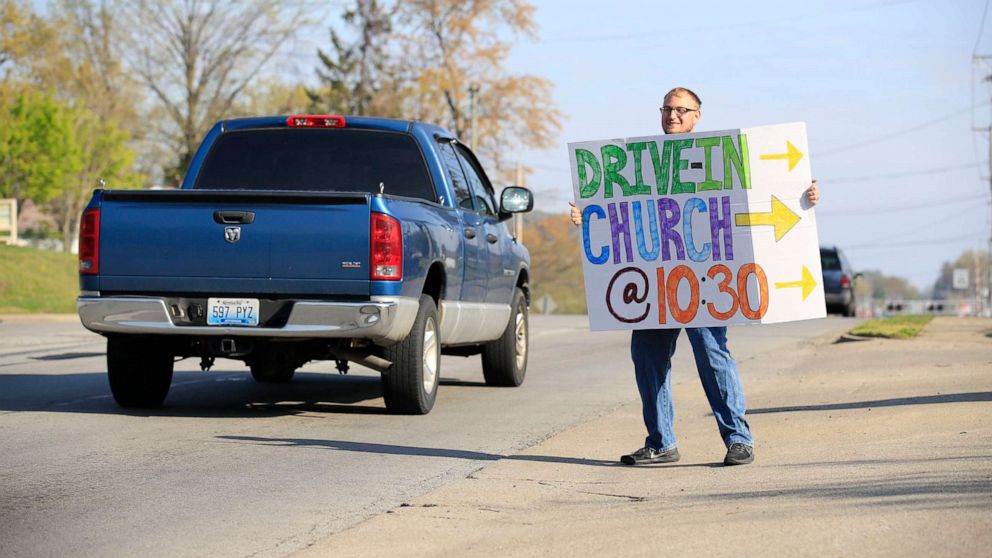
pixel 652 350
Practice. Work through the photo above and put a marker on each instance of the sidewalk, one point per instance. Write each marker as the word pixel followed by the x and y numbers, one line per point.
pixel 877 447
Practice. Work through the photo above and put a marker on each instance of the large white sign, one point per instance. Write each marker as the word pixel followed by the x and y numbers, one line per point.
pixel 690 230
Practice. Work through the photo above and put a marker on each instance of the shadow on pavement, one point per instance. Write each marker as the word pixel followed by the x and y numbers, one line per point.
pixel 463 383
pixel 388 449
pixel 935 491
pixel 195 394
pixel 69 356
pixel 981 396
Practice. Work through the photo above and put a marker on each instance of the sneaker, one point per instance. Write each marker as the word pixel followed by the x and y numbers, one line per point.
pixel 739 454
pixel 648 455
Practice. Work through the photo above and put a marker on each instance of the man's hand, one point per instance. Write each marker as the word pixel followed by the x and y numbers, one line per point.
pixel 812 195
pixel 577 215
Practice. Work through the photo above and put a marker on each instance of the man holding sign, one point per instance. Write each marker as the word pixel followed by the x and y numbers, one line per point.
pixel 659 210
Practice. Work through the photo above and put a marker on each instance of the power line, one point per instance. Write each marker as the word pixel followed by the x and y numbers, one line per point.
pixel 917 228
pixel 981 29
pixel 869 178
pixel 889 135
pixel 914 244
pixel 894 208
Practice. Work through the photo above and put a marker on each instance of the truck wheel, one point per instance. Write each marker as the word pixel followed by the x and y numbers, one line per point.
pixel 410 384
pixel 504 361
pixel 272 367
pixel 851 309
pixel 139 371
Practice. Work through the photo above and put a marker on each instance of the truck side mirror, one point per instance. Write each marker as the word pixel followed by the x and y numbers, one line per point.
pixel 515 199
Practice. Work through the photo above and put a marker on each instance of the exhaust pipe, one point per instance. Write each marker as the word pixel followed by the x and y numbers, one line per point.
pixel 376 363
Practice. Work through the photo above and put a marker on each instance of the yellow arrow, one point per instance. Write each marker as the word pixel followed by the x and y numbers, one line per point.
pixel 781 217
pixel 807 283
pixel 791 153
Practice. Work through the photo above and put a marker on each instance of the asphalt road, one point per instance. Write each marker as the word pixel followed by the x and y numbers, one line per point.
pixel 233 468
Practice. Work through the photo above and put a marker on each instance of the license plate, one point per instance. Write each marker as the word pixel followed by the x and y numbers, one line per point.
pixel 232 311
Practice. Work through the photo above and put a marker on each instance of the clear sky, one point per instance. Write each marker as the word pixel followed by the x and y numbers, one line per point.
pixel 888 90
pixel 885 87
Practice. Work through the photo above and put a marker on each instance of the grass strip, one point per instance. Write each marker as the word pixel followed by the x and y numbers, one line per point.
pixel 896 327
pixel 34 280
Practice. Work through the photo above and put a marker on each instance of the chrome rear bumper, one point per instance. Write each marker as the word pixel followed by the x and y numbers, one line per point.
pixel 380 319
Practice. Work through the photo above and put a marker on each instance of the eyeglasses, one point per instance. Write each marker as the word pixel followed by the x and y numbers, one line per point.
pixel 678 110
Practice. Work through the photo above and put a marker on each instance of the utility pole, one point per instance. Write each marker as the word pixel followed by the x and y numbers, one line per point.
pixel 473 91
pixel 987 284
pixel 985 298
pixel 518 218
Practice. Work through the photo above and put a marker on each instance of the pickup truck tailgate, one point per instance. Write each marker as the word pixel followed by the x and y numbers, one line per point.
pixel 232 241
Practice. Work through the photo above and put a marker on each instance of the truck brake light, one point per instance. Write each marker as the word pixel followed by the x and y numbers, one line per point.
pixel 387 248
pixel 315 121
pixel 89 242
pixel 845 282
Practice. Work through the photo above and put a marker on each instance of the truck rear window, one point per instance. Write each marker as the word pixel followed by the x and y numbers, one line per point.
pixel 316 160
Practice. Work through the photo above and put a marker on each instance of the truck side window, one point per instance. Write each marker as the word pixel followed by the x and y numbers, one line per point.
pixel 462 194
pixel 481 190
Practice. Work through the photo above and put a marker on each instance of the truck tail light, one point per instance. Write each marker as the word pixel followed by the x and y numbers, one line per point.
pixel 89 242
pixel 387 248
pixel 315 121
pixel 845 282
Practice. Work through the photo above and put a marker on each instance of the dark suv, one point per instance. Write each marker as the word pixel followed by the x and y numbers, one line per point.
pixel 838 281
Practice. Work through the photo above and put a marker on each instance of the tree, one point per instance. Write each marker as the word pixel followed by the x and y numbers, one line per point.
pixel 23 36
pixel 103 156
pixel 875 284
pixel 87 67
pixel 552 241
pixel 455 44
pixel 197 57
pixel 977 264
pixel 272 96
pixel 73 137
pixel 360 77
pixel 37 149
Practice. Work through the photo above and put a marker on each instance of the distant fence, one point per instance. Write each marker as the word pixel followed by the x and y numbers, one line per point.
pixel 8 221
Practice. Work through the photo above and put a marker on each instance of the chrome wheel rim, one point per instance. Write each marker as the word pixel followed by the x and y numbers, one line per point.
pixel 520 344
pixel 430 355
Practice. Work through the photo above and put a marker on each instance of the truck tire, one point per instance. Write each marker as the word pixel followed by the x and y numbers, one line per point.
pixel 272 367
pixel 139 372
pixel 410 384
pixel 504 361
pixel 850 310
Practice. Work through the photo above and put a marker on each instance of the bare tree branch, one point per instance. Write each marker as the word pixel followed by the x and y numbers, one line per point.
pixel 197 57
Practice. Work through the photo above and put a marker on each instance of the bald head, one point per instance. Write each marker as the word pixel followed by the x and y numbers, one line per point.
pixel 680 111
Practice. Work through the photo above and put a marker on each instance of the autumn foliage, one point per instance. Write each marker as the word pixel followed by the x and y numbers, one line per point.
pixel 556 265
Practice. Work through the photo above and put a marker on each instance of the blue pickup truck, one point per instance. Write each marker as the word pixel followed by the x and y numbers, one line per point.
pixel 363 240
